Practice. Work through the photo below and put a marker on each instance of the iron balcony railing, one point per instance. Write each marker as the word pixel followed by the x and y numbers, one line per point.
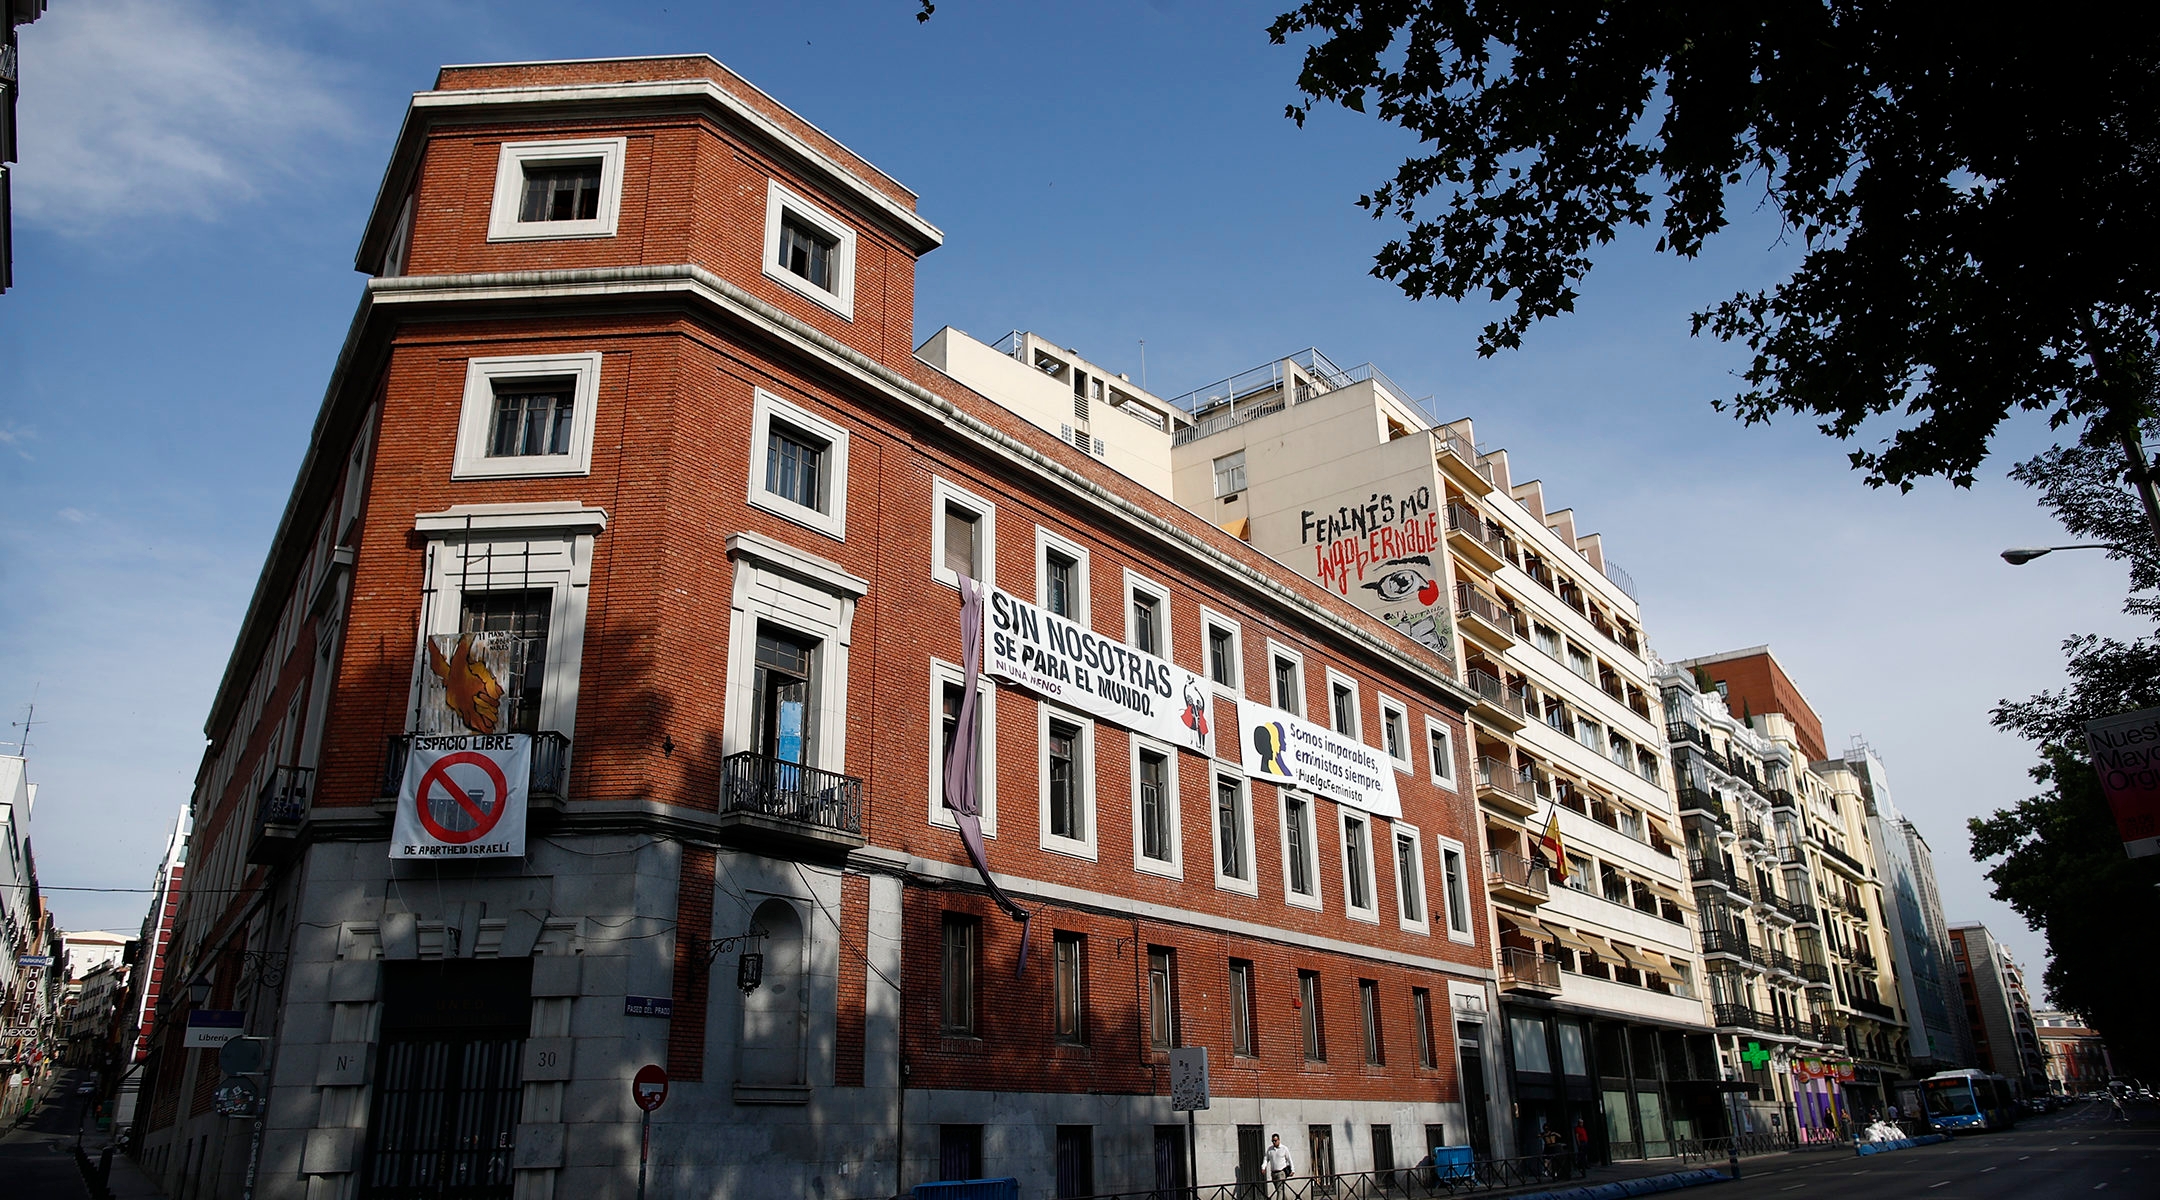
pixel 1474 601
pixel 1463 519
pixel 1735 1016
pixel 550 774
pixel 1803 913
pixel 1453 442
pixel 1782 797
pixel 1528 968
pixel 1778 960
pixel 773 787
pixel 1726 941
pixel 1515 871
pixel 283 801
pixel 1696 798
pixel 1501 777
pixel 1494 692
pixel 1814 972
pixel 1681 731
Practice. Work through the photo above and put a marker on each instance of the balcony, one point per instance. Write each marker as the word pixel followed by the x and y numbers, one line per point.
pixel 1678 732
pixel 549 778
pixel 1736 1016
pixel 1692 797
pixel 1459 459
pixel 1476 540
pixel 280 807
pixel 774 803
pixel 1503 788
pixel 1781 798
pixel 1497 704
pixel 1527 971
pixel 1816 974
pixel 1485 618
pixel 1874 1008
pixel 1778 960
pixel 1750 831
pixel 1513 879
pixel 1730 942
pixel 1802 913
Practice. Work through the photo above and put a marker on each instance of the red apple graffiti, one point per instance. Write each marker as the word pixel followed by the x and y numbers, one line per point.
pixel 1430 593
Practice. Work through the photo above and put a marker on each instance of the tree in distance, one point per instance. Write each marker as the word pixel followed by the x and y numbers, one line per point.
pixel 1978 199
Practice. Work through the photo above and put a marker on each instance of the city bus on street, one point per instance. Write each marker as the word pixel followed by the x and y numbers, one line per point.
pixel 1968 1101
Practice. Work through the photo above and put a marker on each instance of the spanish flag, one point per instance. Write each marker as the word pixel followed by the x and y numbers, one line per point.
pixel 1551 844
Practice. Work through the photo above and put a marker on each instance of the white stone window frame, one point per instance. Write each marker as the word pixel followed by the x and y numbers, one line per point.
pixel 1137 587
pixel 1174 868
pixel 765 409
pixel 1459 926
pixel 1405 763
pixel 944 495
pixel 1442 773
pixel 1211 621
pixel 1398 831
pixel 1336 679
pixel 782 202
pixel 1045 542
pixel 477 548
pixel 400 247
pixel 476 416
pixel 941 674
pixel 1369 912
pixel 780 585
pixel 510 164
pixel 1317 901
pixel 1088 845
pixel 1276 650
pixel 1249 886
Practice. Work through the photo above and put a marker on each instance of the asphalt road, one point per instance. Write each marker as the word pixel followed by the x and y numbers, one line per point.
pixel 37 1160
pixel 2083 1151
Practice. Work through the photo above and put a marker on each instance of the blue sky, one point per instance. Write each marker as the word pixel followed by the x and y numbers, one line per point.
pixel 192 186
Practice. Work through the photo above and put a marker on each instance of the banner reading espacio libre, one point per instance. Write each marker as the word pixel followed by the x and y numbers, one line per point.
pixel 1285 748
pixel 463 797
pixel 1047 654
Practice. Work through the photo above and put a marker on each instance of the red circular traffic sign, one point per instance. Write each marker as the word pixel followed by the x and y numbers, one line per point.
pixel 649 1089
pixel 483 819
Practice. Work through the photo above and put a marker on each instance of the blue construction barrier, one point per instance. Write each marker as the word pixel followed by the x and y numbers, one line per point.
pixel 1645 1186
pixel 1454 1163
pixel 1863 1149
pixel 968 1189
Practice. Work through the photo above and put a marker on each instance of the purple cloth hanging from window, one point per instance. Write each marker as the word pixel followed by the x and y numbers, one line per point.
pixel 963 767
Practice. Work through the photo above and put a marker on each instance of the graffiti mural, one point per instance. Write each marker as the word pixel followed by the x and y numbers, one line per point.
pixel 1389 547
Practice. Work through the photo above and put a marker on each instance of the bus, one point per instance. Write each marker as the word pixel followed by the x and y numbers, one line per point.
pixel 1967 1101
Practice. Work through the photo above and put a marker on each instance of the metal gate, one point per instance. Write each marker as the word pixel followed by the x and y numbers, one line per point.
pixel 445 1120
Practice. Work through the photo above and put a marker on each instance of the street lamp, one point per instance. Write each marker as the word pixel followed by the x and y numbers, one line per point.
pixel 199 991
pixel 2018 556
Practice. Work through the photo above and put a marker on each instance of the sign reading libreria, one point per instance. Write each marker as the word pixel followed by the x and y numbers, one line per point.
pixel 1285 748
pixel 2126 753
pixel 1056 658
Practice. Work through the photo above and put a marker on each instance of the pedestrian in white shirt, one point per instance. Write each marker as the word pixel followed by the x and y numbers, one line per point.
pixel 1278 1165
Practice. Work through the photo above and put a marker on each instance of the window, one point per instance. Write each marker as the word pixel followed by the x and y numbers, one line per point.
pixel 1527 1034
pixel 1222 650
pixel 1289 679
pixel 1343 706
pixel 1162 997
pixel 1233 834
pixel 1320 1143
pixel 1067 795
pixel 1065 809
pixel 1230 474
pixel 1383 1149
pixel 1147 616
pixel 1394 735
pixel 1409 877
pixel 1155 816
pixel 1070 987
pixel 1440 753
pixel 1299 853
pixel 957 1013
pixel 1548 640
pixel 1578 661
pixel 964 532
pixel 1062 582
pixel 809 251
pixel 1075 1160
pixel 1457 885
pixel 1428 1055
pixel 527 416
pixel 1309 1023
pixel 798 465
pixel 1369 1017
pixel 960 1153
pixel 1242 1041
pixel 1646 764
pixel 524 616
pixel 564 189
pixel 780 697
pixel 1588 732
pixel 1357 867
pixel 945 680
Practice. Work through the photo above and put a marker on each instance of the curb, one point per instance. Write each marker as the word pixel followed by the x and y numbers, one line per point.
pixel 1644 1186
pixel 1862 1149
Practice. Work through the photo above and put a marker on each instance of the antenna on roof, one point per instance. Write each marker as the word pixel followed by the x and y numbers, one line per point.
pixel 22 743
pixel 1143 364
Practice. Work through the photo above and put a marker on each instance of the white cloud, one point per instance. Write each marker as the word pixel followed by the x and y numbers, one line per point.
pixel 133 108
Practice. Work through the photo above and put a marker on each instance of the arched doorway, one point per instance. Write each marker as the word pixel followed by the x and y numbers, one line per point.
pixel 770 1051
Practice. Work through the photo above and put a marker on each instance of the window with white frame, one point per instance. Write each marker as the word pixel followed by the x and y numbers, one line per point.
pixel 1068 782
pixel 1061 576
pixel 1155 810
pixel 529 415
pixel 1301 851
pixel 1440 753
pixel 1147 616
pixel 790 624
pixel 1286 669
pixel 945 695
pixel 798 465
pixel 809 250
pixel 1224 655
pixel 963 533
pixel 1409 879
pixel 1455 889
pixel 1342 704
pixel 1233 836
pixel 1359 897
pixel 1578 661
pixel 1230 474
pixel 558 189
pixel 1395 734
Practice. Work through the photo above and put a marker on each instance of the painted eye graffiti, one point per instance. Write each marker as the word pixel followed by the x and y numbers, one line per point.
pixel 1401 578
pixel 1396 584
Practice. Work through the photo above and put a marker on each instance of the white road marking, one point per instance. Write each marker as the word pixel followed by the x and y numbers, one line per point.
pixel 1790 1186
pixel 1933 1186
pixel 2098 1186
pixel 2023 1157
pixel 1985 1170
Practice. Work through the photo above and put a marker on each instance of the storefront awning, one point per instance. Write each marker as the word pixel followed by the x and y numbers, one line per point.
pixel 1634 958
pixel 1530 928
pixel 1574 941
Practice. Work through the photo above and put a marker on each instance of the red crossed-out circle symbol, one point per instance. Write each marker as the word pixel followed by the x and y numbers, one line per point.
pixel 483 819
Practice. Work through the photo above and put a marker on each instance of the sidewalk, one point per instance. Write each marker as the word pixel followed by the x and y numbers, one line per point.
pixel 127 1181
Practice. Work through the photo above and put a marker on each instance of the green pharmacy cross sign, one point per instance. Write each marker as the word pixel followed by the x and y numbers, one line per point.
pixel 1755 1056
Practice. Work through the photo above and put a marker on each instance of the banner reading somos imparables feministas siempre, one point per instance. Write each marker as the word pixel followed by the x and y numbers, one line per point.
pixel 1086 672
pixel 2126 753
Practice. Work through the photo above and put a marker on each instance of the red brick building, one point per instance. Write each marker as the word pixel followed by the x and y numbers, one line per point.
pixel 632 392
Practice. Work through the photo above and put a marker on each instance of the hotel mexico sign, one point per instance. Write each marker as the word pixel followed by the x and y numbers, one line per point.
pixel 2126 753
